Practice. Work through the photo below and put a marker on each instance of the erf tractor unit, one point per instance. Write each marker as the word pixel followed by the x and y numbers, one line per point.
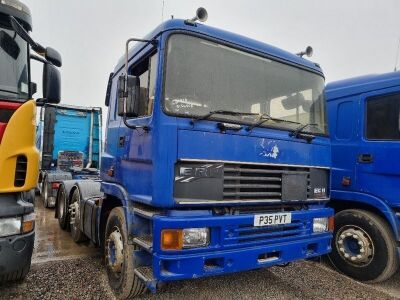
pixel 69 140
pixel 364 116
pixel 216 160
pixel 19 157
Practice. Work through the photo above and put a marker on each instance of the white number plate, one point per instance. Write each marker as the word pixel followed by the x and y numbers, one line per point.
pixel 272 219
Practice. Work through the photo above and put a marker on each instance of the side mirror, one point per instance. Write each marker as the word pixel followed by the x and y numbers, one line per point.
pixel 53 56
pixel 51 84
pixel 128 96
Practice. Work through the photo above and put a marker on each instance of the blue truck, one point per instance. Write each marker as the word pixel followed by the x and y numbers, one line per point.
pixel 216 160
pixel 364 114
pixel 69 140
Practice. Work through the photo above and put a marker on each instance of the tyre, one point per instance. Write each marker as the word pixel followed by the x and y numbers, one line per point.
pixel 76 233
pixel 62 208
pixel 119 259
pixel 46 192
pixel 363 246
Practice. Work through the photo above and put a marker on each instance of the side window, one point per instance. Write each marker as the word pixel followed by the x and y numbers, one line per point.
pixel 383 118
pixel 146 70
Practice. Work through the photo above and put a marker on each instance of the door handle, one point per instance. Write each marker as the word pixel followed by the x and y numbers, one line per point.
pixel 365 158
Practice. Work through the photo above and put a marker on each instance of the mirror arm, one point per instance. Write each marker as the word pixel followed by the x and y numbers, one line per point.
pixel 39 49
pixel 38 58
pixel 145 127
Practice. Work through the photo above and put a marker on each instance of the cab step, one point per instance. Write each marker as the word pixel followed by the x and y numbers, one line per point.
pixel 145 242
pixel 145 273
pixel 146 212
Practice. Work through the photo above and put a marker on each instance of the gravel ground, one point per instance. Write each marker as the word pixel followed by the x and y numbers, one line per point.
pixel 85 278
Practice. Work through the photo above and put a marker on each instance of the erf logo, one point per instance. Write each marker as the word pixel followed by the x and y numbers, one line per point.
pixel 320 192
pixel 188 174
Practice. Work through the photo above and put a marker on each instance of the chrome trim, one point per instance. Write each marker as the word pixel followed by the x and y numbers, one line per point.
pixel 248 163
pixel 200 202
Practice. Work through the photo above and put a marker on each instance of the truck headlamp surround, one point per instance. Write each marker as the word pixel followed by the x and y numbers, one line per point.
pixel 10 226
pixel 323 224
pixel 178 239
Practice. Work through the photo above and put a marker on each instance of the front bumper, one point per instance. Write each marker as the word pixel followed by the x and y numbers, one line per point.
pixel 15 253
pixel 236 245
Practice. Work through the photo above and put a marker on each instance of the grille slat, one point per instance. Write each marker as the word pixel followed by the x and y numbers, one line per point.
pixel 250 194
pixel 247 178
pixel 247 186
pixel 266 236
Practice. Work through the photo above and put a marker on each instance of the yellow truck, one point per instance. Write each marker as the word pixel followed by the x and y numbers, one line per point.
pixel 19 158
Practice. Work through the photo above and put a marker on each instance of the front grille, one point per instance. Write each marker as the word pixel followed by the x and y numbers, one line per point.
pixel 250 234
pixel 20 171
pixel 258 182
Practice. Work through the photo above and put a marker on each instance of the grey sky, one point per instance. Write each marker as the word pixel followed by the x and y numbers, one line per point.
pixel 349 38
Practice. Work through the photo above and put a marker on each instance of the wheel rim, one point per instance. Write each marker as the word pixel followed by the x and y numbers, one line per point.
pixel 115 251
pixel 355 246
pixel 74 212
pixel 46 192
pixel 60 204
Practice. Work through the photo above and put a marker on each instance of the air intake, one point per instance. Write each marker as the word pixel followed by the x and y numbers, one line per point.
pixel 20 171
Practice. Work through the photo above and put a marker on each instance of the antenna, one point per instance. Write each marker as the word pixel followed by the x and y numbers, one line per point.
pixel 397 56
pixel 162 11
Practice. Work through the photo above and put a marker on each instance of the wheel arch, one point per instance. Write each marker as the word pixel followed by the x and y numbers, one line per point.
pixel 68 185
pixel 368 203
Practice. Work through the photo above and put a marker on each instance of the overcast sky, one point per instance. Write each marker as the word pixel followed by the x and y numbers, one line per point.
pixel 349 38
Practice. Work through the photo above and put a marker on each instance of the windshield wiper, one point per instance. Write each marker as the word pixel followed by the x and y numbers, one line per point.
pixel 299 133
pixel 221 112
pixel 266 117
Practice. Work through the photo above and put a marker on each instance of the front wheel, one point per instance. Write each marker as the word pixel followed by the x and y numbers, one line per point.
pixel 119 258
pixel 363 246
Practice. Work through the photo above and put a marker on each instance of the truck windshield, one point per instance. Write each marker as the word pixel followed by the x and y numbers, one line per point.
pixel 13 66
pixel 204 76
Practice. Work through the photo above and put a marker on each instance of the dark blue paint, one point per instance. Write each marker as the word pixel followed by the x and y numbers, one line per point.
pixel 374 184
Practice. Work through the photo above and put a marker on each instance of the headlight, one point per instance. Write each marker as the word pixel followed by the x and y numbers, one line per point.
pixel 195 237
pixel 320 225
pixel 10 226
pixel 178 239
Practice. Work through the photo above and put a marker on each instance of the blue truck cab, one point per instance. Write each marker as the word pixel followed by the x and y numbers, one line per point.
pixel 364 114
pixel 216 160
pixel 69 141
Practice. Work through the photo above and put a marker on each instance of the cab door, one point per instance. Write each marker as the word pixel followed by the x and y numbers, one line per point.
pixel 378 158
pixel 135 146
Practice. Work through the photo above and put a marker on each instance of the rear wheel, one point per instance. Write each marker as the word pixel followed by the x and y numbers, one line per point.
pixel 363 246
pixel 46 192
pixel 119 260
pixel 62 208
pixel 75 217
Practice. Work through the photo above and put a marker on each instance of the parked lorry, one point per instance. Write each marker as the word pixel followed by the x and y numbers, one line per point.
pixel 364 114
pixel 18 155
pixel 69 140
pixel 216 160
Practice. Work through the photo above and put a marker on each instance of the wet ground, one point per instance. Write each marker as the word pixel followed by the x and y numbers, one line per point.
pixel 52 243
pixel 62 269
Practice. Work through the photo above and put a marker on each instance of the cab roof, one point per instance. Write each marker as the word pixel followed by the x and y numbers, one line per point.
pixel 361 84
pixel 226 36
